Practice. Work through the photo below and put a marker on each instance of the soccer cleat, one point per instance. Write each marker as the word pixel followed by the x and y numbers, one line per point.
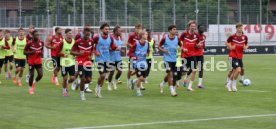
pixel 142 87
pixel 109 88
pixel 53 79
pixel 185 83
pixel 65 93
pixel 114 86
pixel 234 88
pixel 88 90
pixel 200 86
pixel 73 85
pixel 31 90
pixel 173 93
pixel 119 82
pixel 241 81
pixel 139 94
pixel 57 83
pixel 14 80
pixel 98 93
pixel 161 86
pixel 132 85
pixel 19 84
pixel 82 97
pixel 190 89
pixel 146 81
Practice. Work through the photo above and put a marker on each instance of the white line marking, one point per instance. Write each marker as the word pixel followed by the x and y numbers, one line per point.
pixel 179 121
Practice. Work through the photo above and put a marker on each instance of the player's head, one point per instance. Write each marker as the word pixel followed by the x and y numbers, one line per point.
pixel 68 33
pixel 35 34
pixel 86 33
pixel 138 28
pixel 7 33
pixel 58 31
pixel 200 28
pixel 172 29
pixel 143 35
pixel 105 28
pixel 1 33
pixel 149 32
pixel 31 28
pixel 117 30
pixel 21 31
pixel 239 27
pixel 192 25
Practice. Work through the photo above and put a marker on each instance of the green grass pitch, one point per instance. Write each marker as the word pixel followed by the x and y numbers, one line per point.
pixel 47 108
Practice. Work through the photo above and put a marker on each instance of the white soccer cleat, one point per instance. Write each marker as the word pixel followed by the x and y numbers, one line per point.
pixel 146 81
pixel 234 88
pixel 115 85
pixel 87 89
pixel 173 93
pixel 228 86
pixel 27 78
pixel 98 93
pixel 82 97
pixel 74 85
pixel 190 89
pixel 161 88
pixel 109 88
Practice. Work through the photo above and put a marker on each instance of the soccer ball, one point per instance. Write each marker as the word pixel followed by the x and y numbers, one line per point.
pixel 246 82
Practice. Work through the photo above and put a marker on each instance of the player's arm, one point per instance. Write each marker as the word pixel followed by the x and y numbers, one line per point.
pixel 6 46
pixel 42 49
pixel 113 46
pixel 59 53
pixel 48 43
pixel 27 49
pixel 160 46
pixel 13 44
pixel 246 44
pixel 74 50
pixel 95 43
pixel 228 44
pixel 77 37
pixel 130 39
pixel 132 51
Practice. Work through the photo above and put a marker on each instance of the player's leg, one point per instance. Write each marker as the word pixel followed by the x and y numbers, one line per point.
pixel 1 65
pixel 82 81
pixel 242 73
pixel 193 74
pixel 21 71
pixel 102 72
pixel 56 70
pixel 200 61
pixel 148 69
pixel 236 71
pixel 140 78
pixel 10 64
pixel 6 68
pixel 16 71
pixel 31 79
pixel 118 74
pixel 39 71
pixel 64 75
pixel 129 72
pixel 110 76
pixel 165 79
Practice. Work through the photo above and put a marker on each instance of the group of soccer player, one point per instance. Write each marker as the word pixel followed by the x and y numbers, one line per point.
pixel 75 57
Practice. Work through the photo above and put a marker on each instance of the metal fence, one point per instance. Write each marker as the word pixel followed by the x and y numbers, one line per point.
pixel 219 16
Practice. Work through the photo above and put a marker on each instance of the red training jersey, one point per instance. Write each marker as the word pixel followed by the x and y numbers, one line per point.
pixel 239 42
pixel 35 58
pixel 56 41
pixel 199 50
pixel 87 47
pixel 189 42
pixel 132 40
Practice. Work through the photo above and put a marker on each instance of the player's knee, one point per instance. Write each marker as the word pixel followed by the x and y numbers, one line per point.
pixel 88 80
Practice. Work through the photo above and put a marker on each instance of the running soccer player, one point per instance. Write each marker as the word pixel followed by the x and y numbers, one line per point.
pixel 74 85
pixel 18 46
pixel 67 61
pixel 4 45
pixel 53 43
pixel 199 48
pixel 132 40
pixel 103 44
pixel 82 50
pixel 138 54
pixel 237 43
pixel 34 50
pixel 190 41
pixel 29 38
pixel 116 59
pixel 168 46
pixel 8 63
pixel 151 42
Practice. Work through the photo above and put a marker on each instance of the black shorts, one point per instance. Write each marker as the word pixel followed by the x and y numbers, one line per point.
pixel 200 61
pixel 8 59
pixel 116 65
pixel 84 71
pixel 56 61
pixel 68 70
pixel 104 67
pixel 37 66
pixel 20 63
pixel 190 62
pixel 140 73
pixel 170 66
pixel 237 63
pixel 1 62
pixel 130 64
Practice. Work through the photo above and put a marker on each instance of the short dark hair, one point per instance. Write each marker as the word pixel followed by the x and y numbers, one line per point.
pixel 104 25
pixel 67 30
pixel 199 26
pixel 31 26
pixel 171 27
pixel 138 25
pixel 57 28
pixel 148 30
pixel 1 30
pixel 7 31
pixel 86 29
pixel 116 28
pixel 20 29
pixel 35 31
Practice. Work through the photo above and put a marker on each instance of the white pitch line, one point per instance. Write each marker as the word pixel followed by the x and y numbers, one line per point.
pixel 179 121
